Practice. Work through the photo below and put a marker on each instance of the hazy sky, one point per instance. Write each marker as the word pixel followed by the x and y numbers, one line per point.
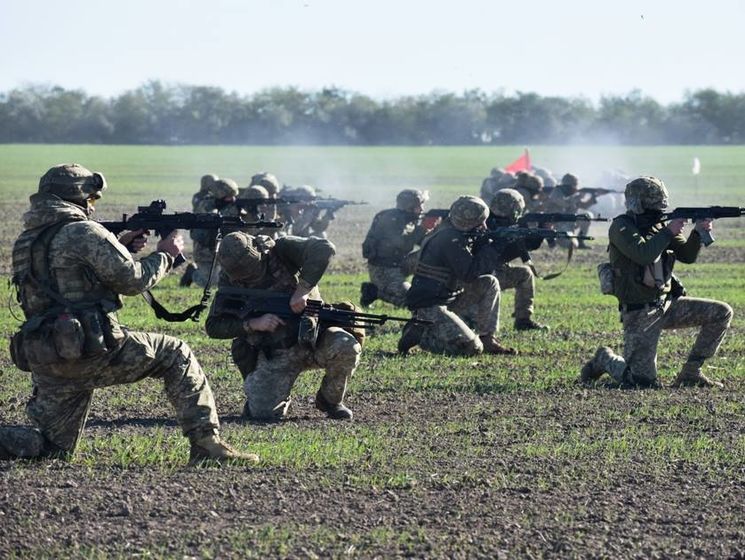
pixel 383 48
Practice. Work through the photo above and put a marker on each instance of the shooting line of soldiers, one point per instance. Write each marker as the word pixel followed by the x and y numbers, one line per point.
pixel 265 248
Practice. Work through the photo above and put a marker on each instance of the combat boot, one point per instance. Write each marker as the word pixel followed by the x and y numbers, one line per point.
pixel 690 376
pixel 592 370
pixel 212 448
pixel 411 335
pixel 188 276
pixel 529 325
pixel 368 294
pixel 492 346
pixel 335 411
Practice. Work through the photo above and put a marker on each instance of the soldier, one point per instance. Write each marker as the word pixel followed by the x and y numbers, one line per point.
pixel 642 252
pixel 256 205
pixel 448 285
pixel 268 181
pixel 70 273
pixel 204 191
pixel 303 218
pixel 567 199
pixel 531 188
pixel 499 179
pixel 506 208
pixel 266 348
pixel 388 247
pixel 221 199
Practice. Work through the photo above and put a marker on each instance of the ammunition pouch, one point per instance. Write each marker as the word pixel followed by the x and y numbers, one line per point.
pixel 63 335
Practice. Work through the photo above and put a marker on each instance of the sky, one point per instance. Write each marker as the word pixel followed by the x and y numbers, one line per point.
pixel 381 48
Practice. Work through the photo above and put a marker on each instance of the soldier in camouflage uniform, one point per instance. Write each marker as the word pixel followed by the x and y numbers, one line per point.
pixel 389 244
pixel 566 199
pixel 642 252
pixel 449 284
pixel 221 199
pixel 266 348
pixel 498 179
pixel 268 181
pixel 70 273
pixel 303 218
pixel 506 208
pixel 530 186
pixel 255 205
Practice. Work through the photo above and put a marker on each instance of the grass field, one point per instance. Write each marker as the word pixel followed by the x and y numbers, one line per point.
pixel 447 457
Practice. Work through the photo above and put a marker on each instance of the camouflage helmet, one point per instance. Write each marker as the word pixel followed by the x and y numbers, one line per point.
pixel 497 172
pixel 303 193
pixel 507 180
pixel 240 255
pixel 223 188
pixel 646 193
pixel 508 203
pixel 548 178
pixel 569 184
pixel 206 181
pixel 529 182
pixel 72 182
pixel 266 180
pixel 254 192
pixel 489 186
pixel 408 199
pixel 468 212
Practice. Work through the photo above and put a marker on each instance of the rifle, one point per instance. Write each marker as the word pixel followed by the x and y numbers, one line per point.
pixel 333 204
pixel 705 213
pixel 253 203
pixel 247 303
pixel 594 192
pixel 152 218
pixel 554 217
pixel 511 234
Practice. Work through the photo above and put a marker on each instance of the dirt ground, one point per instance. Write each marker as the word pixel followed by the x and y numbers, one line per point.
pixel 499 503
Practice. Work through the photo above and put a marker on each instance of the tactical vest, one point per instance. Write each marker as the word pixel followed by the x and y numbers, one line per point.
pixel 392 236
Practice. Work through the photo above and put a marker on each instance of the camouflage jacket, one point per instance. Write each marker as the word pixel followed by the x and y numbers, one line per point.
pixel 392 236
pixel 446 263
pixel 633 250
pixel 291 262
pixel 85 263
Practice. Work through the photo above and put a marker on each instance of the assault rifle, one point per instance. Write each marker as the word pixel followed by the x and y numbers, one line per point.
pixel 595 192
pixel 246 303
pixel 253 203
pixel 512 234
pixel 152 218
pixel 554 218
pixel 705 213
pixel 333 204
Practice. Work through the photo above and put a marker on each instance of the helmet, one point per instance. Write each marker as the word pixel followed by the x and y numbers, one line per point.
pixel 303 193
pixel 646 193
pixel 240 255
pixel 223 188
pixel 529 182
pixel 508 203
pixel 569 184
pixel 206 181
pixel 507 180
pixel 408 199
pixel 254 192
pixel 468 212
pixel 266 180
pixel 489 186
pixel 72 182
pixel 496 172
pixel 548 178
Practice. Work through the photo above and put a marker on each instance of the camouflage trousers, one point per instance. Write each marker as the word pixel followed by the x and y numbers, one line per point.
pixel 269 385
pixel 203 257
pixel 577 228
pixel 62 393
pixel 391 283
pixel 449 333
pixel 522 279
pixel 642 329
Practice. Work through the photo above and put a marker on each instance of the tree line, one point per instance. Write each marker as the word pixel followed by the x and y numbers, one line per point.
pixel 158 113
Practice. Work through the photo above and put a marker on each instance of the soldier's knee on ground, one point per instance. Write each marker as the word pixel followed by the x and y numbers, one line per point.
pixel 264 411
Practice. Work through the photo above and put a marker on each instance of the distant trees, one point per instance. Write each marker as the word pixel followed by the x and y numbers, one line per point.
pixel 156 113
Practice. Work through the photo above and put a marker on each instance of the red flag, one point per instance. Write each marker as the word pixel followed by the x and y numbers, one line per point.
pixel 520 164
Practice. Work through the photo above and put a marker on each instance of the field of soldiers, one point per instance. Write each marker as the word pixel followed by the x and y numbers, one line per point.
pixel 460 457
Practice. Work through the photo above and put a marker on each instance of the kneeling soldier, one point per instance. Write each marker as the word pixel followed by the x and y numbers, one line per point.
pixel 266 348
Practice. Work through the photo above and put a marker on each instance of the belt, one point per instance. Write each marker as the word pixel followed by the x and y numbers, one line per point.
pixel 659 304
